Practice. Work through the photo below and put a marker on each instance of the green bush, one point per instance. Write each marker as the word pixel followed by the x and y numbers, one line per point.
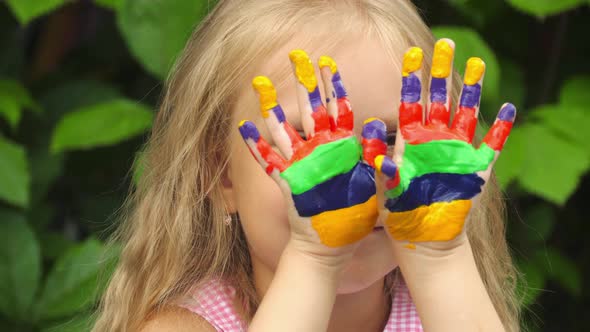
pixel 79 82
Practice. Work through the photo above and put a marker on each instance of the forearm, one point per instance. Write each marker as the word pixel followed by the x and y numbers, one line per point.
pixel 447 290
pixel 300 297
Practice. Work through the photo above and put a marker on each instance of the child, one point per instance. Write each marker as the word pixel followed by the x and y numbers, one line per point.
pixel 212 243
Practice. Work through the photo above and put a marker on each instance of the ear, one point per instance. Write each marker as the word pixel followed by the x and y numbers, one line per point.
pixel 227 190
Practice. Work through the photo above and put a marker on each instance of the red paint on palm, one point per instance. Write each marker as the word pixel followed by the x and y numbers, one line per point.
pixel 345 115
pixel 294 136
pixel 414 132
pixel 438 114
pixel 409 114
pixel 319 138
pixel 497 135
pixel 321 119
pixel 372 148
pixel 273 159
pixel 465 123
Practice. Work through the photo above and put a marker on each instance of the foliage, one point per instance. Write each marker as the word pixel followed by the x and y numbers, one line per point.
pixel 77 97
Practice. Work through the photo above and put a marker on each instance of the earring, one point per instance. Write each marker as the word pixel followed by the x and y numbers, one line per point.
pixel 228 219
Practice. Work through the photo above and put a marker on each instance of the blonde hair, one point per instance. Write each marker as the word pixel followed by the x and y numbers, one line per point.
pixel 173 233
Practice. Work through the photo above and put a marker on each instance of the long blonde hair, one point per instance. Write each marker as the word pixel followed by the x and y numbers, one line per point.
pixel 173 233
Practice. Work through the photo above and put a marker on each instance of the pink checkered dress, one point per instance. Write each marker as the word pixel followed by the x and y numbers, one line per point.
pixel 214 301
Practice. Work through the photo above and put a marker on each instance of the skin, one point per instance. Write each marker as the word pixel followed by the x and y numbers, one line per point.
pixel 293 270
pixel 263 209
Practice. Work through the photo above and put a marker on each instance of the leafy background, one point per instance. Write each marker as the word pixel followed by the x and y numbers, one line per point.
pixel 79 81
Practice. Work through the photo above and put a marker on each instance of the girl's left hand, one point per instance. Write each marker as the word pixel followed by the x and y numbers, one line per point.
pixel 427 190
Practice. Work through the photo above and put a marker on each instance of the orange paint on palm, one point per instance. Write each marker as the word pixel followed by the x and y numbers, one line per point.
pixel 341 227
pixel 442 221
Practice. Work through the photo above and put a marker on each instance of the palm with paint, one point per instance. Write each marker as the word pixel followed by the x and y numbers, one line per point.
pixel 328 178
pixel 435 174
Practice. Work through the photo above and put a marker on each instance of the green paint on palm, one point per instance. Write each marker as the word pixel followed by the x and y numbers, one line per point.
pixel 445 156
pixel 325 162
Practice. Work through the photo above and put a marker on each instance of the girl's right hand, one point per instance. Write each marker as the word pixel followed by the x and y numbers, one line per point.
pixel 327 179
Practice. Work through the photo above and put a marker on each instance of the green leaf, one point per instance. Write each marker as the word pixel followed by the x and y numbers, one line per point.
pixel 27 10
pixel 561 269
pixel 541 8
pixel 19 265
pixel 512 85
pixel 477 11
pixel 14 174
pixel 156 31
pixel 54 244
pixel 110 4
pixel 574 92
pixel 511 161
pixel 552 165
pixel 533 283
pixel 101 124
pixel 13 99
pixel 71 285
pixel 569 122
pixel 79 323
pixel 468 44
pixel 539 220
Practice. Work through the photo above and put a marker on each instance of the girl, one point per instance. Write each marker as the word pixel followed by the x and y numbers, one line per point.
pixel 212 243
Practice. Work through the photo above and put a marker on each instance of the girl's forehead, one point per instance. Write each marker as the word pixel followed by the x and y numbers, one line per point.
pixel 371 78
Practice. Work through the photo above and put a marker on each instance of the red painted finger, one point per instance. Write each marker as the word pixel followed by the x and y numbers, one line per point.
pixel 268 158
pixel 314 115
pixel 339 108
pixel 465 120
pixel 374 140
pixel 410 109
pixel 497 135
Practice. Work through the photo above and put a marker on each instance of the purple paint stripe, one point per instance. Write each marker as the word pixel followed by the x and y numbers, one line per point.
pixel 278 111
pixel 338 85
pixel 438 90
pixel 315 99
pixel 345 190
pixel 507 113
pixel 411 88
pixel 248 130
pixel 375 129
pixel 470 96
pixel 436 187
pixel 388 167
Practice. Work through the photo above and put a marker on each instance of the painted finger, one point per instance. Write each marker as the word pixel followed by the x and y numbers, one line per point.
pixel 497 135
pixel 439 101
pixel 465 119
pixel 314 116
pixel 339 108
pixel 410 109
pixel 284 135
pixel 388 167
pixel 269 159
pixel 374 140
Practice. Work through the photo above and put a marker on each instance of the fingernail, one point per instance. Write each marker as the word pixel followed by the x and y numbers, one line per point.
pixel 412 61
pixel 385 165
pixel 442 60
pixel 507 112
pixel 266 93
pixel 248 130
pixel 474 71
pixel 374 128
pixel 304 69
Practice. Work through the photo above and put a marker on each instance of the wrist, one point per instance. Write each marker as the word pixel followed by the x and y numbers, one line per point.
pixel 329 267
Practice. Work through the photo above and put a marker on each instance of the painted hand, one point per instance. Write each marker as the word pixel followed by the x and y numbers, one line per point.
pixel 325 178
pixel 428 187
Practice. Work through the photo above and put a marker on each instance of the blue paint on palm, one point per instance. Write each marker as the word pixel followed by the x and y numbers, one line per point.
pixel 344 190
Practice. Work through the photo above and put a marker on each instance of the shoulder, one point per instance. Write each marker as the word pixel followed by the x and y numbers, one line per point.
pixel 176 319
